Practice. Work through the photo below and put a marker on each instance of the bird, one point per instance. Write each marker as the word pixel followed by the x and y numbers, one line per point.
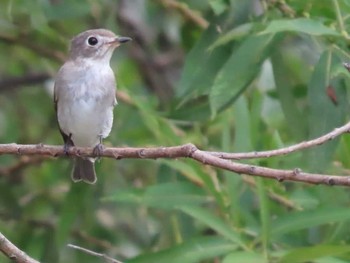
pixel 85 96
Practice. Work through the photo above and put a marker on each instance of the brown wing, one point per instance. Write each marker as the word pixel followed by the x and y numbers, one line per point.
pixel 66 137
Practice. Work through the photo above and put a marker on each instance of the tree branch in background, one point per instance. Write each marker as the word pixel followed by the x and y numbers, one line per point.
pixel 157 75
pixel 9 83
pixel 283 7
pixel 14 253
pixel 90 252
pixel 13 172
pixel 186 12
pixel 40 50
pixel 214 159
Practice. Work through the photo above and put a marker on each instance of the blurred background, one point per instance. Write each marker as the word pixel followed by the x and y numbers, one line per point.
pixel 226 75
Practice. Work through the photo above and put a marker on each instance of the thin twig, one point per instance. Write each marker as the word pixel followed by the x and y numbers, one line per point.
pixel 186 12
pixel 340 19
pixel 13 252
pixel 90 252
pixel 287 150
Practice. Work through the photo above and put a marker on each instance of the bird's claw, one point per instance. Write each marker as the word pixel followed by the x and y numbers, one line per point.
pixel 66 147
pixel 98 150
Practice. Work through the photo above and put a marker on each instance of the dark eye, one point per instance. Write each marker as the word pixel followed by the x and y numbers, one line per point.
pixel 92 41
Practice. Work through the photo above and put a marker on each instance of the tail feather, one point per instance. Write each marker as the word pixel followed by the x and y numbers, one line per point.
pixel 84 170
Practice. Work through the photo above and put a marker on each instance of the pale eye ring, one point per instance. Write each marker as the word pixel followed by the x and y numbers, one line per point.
pixel 92 41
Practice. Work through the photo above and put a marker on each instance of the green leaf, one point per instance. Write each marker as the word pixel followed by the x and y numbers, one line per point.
pixel 165 196
pixel 64 10
pixel 208 218
pixel 242 139
pixel 325 114
pixel 302 220
pixel 218 6
pixel 285 80
pixel 201 66
pixel 236 33
pixel 187 169
pixel 302 25
pixel 244 256
pixel 239 71
pixel 73 206
pixel 190 251
pixel 265 218
pixel 308 254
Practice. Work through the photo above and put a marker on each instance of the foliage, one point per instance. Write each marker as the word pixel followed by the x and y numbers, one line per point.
pixel 262 75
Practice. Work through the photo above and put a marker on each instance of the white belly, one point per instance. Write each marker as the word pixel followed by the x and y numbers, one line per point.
pixel 85 94
pixel 86 119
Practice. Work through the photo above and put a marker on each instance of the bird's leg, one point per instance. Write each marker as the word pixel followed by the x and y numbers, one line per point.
pixel 67 143
pixel 98 149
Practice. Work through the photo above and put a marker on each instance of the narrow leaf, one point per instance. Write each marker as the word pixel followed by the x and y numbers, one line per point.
pixel 191 251
pixel 303 220
pixel 212 221
pixel 302 25
pixel 327 102
pixel 165 196
pixel 240 69
pixel 308 254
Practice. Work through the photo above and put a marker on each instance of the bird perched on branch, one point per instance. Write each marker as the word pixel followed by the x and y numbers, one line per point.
pixel 84 96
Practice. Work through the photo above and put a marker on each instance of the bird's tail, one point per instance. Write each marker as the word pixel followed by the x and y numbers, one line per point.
pixel 84 170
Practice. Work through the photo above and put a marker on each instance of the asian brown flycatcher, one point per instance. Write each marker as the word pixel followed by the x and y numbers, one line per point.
pixel 84 96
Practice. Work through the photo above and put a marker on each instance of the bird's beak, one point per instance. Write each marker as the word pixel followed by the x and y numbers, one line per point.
pixel 120 40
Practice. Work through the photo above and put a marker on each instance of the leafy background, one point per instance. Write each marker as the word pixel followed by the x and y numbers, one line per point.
pixel 226 75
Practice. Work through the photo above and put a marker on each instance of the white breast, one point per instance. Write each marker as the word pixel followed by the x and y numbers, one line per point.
pixel 85 105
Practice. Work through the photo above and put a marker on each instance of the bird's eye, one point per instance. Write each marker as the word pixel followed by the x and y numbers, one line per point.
pixel 92 41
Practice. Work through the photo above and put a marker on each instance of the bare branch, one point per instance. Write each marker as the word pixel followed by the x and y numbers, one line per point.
pixel 186 12
pixel 287 150
pixel 216 159
pixel 295 175
pixel 22 163
pixel 14 253
pixel 182 151
pixel 9 83
pixel 90 252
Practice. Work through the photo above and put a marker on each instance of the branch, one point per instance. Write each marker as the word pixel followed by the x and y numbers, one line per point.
pixel 28 43
pixel 191 151
pixel 283 7
pixel 14 253
pixel 156 76
pixel 22 163
pixel 287 150
pixel 188 13
pixel 215 159
pixel 90 252
pixel 9 83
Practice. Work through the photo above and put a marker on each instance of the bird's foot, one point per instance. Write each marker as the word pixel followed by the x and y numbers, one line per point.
pixel 67 143
pixel 66 147
pixel 98 150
